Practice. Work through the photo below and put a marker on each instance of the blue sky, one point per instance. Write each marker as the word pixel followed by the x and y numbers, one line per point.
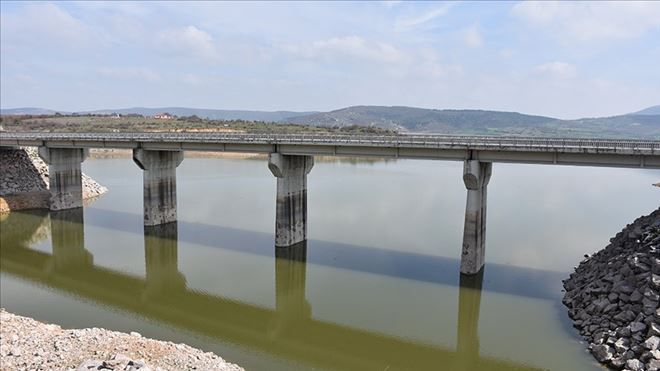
pixel 568 60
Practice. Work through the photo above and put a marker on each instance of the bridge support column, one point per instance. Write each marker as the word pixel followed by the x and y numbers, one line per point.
pixel 65 176
pixel 291 213
pixel 159 174
pixel 476 175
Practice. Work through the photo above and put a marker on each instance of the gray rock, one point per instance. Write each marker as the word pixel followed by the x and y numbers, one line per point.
pixel 634 365
pixel 603 353
pixel 637 326
pixel 653 365
pixel 652 343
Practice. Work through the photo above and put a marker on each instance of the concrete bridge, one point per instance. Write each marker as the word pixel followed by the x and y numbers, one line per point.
pixel 291 158
pixel 288 330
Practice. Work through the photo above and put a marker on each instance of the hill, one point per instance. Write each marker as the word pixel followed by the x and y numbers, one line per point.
pixel 26 111
pixel 653 110
pixel 480 122
pixel 213 114
pixel 419 119
pixel 643 124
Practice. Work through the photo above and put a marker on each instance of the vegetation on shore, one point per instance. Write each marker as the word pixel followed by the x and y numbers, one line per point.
pixel 139 123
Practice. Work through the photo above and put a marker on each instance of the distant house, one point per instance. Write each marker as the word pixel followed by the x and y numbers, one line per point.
pixel 163 116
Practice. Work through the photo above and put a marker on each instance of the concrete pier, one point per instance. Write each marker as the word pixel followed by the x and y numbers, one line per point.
pixel 159 177
pixel 291 213
pixel 476 175
pixel 65 176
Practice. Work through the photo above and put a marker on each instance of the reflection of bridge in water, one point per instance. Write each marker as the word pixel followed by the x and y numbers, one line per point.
pixel 288 331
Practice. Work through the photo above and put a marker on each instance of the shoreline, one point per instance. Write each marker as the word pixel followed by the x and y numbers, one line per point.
pixel 26 343
pixel 612 298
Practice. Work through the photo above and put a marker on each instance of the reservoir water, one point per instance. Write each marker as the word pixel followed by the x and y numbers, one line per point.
pixel 376 286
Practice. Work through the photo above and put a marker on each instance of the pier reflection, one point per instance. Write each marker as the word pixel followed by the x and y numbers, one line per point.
pixel 68 239
pixel 288 331
pixel 291 305
pixel 469 305
pixel 161 259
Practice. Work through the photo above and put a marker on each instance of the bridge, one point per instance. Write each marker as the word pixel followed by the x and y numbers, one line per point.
pixel 291 158
pixel 288 330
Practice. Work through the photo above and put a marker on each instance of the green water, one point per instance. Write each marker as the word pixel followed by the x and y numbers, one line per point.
pixel 376 286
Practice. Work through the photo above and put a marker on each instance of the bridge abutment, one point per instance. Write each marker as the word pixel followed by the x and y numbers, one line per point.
pixel 65 176
pixel 476 175
pixel 291 210
pixel 159 184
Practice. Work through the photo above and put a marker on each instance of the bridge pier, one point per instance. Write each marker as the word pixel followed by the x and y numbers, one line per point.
pixel 476 175
pixel 65 176
pixel 291 211
pixel 159 177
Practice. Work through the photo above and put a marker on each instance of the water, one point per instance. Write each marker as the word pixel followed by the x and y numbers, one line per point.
pixel 376 286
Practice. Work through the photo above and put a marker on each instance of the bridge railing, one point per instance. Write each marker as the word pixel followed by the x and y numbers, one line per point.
pixel 396 140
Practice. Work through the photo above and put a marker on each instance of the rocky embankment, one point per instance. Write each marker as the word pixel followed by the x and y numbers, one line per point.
pixel 24 181
pixel 26 344
pixel 613 298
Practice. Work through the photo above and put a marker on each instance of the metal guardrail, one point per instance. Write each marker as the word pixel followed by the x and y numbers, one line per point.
pixel 463 141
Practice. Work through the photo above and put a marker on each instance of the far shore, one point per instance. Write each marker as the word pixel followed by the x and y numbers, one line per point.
pixel 107 153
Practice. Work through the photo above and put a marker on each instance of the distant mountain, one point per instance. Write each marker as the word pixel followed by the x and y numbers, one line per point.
pixel 419 119
pixel 408 119
pixel 643 124
pixel 27 111
pixel 214 114
pixel 653 110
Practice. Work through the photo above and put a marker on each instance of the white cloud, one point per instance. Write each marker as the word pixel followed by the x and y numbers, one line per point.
pixel 472 37
pixel 45 25
pixel 591 21
pixel 132 73
pixel 557 69
pixel 349 46
pixel 408 23
pixel 190 41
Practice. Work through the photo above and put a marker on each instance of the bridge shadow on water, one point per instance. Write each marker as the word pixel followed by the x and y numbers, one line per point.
pixel 520 281
pixel 288 330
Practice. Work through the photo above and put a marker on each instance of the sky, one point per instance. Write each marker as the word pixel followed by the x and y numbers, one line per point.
pixel 562 59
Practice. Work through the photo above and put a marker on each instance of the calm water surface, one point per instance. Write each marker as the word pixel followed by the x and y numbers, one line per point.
pixel 376 286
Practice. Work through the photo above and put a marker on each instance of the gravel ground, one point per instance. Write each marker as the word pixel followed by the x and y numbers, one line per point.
pixel 27 344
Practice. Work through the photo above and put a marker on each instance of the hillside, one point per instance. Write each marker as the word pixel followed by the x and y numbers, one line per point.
pixel 420 119
pixel 481 122
pixel 643 124
pixel 653 110
pixel 213 114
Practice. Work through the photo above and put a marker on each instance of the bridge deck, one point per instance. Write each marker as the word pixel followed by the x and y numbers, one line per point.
pixel 568 151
